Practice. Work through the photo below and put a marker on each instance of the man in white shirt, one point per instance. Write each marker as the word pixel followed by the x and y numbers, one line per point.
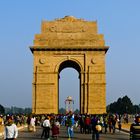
pixel 46 128
pixel 10 131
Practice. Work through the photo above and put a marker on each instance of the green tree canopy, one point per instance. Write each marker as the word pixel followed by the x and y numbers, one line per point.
pixel 122 105
pixel 2 110
pixel 62 111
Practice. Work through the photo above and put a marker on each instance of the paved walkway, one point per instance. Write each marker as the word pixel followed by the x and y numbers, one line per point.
pixel 63 135
pixel 25 135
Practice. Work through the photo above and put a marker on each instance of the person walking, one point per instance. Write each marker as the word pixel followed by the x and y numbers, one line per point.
pixel 55 130
pixel 46 128
pixel 135 129
pixel 70 125
pixel 81 124
pixel 119 125
pixel 32 123
pixel 96 128
pixel 10 131
pixel 87 124
pixel 28 122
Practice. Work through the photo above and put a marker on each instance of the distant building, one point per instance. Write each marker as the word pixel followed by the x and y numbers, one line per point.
pixel 69 105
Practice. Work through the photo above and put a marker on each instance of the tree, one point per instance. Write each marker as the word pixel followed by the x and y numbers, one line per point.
pixel 76 111
pixel 127 105
pixel 17 110
pixel 62 111
pixel 2 110
pixel 136 109
pixel 121 106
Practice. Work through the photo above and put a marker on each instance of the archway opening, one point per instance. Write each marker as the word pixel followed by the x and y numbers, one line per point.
pixel 69 85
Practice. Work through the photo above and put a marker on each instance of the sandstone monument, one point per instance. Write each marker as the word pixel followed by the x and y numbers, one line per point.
pixel 75 43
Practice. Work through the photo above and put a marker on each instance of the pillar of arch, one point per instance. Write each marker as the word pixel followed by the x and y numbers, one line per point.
pixel 69 42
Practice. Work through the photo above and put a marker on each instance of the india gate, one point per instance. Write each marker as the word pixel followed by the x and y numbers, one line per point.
pixel 75 43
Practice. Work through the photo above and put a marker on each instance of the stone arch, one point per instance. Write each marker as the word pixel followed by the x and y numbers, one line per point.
pixel 70 64
pixel 68 60
pixel 69 42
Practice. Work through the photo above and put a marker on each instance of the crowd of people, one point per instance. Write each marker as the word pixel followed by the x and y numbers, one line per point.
pixel 51 123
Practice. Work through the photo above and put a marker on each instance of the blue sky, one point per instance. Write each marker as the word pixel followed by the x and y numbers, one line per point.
pixel 118 20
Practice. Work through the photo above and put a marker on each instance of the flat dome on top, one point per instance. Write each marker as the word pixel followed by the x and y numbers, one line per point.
pixel 72 17
pixel 69 18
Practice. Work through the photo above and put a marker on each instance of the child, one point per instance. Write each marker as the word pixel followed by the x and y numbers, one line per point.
pixel 55 131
